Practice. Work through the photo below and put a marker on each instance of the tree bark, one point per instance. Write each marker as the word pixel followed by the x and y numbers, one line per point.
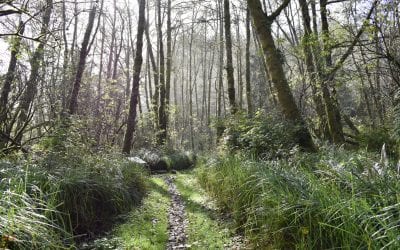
pixel 31 86
pixel 310 66
pixel 7 86
pixel 229 61
pixel 262 24
pixel 10 75
pixel 250 108
pixel 162 114
pixel 73 103
pixel 136 78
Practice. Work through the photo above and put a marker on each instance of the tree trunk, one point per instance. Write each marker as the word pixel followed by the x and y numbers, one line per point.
pixel 250 108
pixel 73 104
pixel 311 69
pixel 262 24
pixel 136 79
pixel 162 114
pixel 31 86
pixel 332 111
pixel 10 75
pixel 7 86
pixel 229 64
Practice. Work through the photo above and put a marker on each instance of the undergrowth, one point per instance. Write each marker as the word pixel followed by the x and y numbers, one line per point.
pixel 64 193
pixel 144 227
pixel 333 199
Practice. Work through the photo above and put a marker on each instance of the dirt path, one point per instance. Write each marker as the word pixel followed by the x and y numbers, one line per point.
pixel 177 221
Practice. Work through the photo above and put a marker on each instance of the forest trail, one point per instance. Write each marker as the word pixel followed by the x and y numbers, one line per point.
pixel 176 214
pixel 177 222
pixel 195 221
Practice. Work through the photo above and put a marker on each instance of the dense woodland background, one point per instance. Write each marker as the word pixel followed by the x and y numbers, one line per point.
pixel 308 88
pixel 338 57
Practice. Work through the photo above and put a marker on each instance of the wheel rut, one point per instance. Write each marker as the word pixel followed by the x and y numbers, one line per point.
pixel 177 220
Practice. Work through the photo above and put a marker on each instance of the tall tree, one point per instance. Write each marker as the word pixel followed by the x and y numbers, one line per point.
pixel 73 103
pixel 137 66
pixel 32 83
pixel 10 75
pixel 162 111
pixel 229 61
pixel 312 71
pixel 262 24
pixel 250 108
pixel 8 83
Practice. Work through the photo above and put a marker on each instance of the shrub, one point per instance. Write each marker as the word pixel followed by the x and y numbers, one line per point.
pixel 28 216
pixel 311 201
pixel 264 136
pixel 66 192
pixel 373 139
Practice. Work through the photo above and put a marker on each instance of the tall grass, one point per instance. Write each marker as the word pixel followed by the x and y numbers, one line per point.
pixel 331 200
pixel 28 217
pixel 51 206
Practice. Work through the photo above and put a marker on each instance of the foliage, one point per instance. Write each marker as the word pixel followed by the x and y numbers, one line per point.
pixel 373 139
pixel 328 200
pixel 145 227
pixel 264 135
pixel 67 190
pixel 28 216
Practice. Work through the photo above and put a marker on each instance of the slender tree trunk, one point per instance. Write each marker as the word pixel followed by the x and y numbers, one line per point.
pixel 10 75
pixel 229 64
pixel 98 116
pixel 262 24
pixel 169 56
pixel 156 96
pixel 73 104
pixel 311 69
pixel 250 108
pixel 31 86
pixel 136 79
pixel 7 86
pixel 162 115
pixel 331 109
pixel 239 64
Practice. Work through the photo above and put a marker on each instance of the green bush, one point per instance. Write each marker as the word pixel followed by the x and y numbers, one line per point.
pixel 92 197
pixel 312 201
pixel 373 139
pixel 64 192
pixel 28 216
pixel 264 136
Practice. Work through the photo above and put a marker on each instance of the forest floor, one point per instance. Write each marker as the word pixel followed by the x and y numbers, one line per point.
pixel 176 214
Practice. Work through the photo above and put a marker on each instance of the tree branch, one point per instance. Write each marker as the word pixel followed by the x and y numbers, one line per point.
pixel 278 11
pixel 353 44
pixel 8 12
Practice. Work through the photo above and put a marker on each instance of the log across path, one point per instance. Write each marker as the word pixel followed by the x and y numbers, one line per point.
pixel 177 221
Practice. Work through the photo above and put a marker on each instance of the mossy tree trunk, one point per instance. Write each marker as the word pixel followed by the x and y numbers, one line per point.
pixel 327 85
pixel 262 24
pixel 312 71
pixel 30 92
pixel 8 83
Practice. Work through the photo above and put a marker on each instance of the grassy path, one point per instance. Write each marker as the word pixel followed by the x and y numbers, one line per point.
pixel 207 230
pixel 147 227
